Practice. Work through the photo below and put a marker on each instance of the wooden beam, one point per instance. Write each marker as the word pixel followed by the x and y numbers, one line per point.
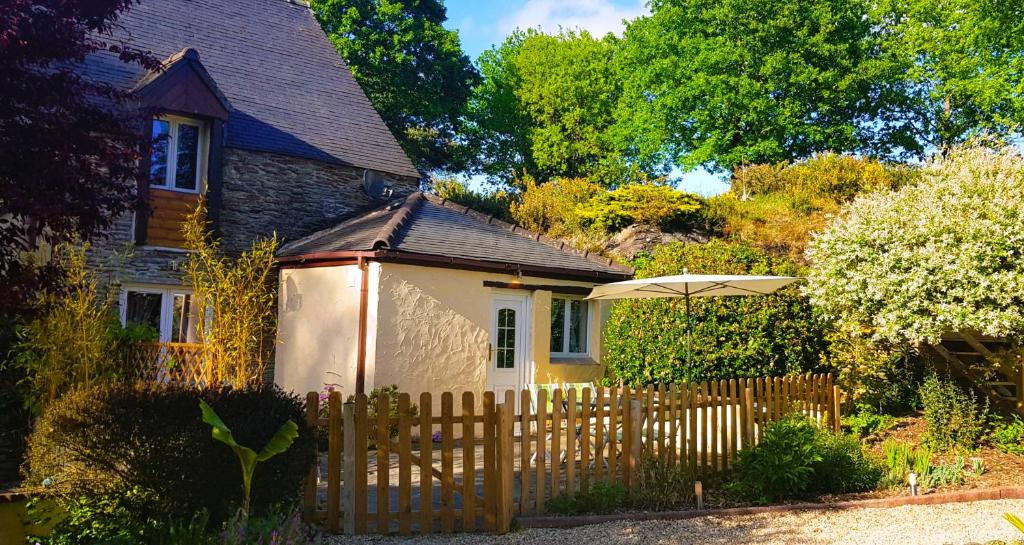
pixel 568 290
pixel 976 344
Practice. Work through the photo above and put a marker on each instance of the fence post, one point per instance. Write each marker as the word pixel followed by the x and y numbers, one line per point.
pixel 348 432
pixel 334 453
pixel 505 414
pixel 748 413
pixel 635 440
pixel 837 399
pixel 309 499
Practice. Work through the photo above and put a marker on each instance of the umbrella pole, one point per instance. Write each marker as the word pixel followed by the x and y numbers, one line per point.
pixel 689 327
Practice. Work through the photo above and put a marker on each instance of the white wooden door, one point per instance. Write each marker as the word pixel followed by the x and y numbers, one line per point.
pixel 509 321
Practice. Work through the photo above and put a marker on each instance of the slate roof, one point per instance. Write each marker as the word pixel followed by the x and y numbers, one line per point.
pixel 290 92
pixel 428 225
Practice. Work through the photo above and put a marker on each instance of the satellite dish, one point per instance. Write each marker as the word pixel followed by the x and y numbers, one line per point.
pixel 376 185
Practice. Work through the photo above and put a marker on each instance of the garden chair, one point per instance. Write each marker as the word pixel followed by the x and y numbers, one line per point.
pixel 535 390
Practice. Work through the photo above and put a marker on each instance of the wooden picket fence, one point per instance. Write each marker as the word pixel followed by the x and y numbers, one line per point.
pixel 476 468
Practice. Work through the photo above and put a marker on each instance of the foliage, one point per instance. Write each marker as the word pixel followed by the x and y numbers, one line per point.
pixel 778 206
pixel 412 69
pixel 59 181
pixel 876 374
pixel 75 338
pixel 954 416
pixel 796 457
pixel 546 106
pixel 109 520
pixel 1015 521
pixel 390 390
pixel 552 207
pixel 867 422
pixel 960 68
pixel 247 457
pixel 646 339
pixel 239 296
pixel 844 466
pixel 275 528
pixel 1008 436
pixel 901 459
pixel 662 485
pixel 603 497
pixel 722 84
pixel 109 439
pixel 781 465
pixel 650 204
pixel 496 203
pixel 836 177
pixel 940 255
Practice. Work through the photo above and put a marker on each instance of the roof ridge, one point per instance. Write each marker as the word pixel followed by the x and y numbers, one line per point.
pixel 559 244
pixel 387 234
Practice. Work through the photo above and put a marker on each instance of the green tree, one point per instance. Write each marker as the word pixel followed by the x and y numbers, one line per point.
pixel 545 106
pixel 963 62
pixel 720 83
pixel 411 67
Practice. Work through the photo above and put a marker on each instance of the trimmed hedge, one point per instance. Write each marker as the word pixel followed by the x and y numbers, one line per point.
pixel 150 440
pixel 645 339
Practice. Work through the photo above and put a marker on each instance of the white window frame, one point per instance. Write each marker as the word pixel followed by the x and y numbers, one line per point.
pixel 172 153
pixel 167 294
pixel 565 327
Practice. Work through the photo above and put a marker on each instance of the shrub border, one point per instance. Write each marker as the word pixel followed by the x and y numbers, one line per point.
pixel 1002 493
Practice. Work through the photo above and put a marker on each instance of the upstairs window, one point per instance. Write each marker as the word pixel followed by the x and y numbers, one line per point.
pixel 178 153
pixel 570 327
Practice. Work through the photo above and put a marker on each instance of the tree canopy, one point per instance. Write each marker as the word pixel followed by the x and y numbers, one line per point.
pixel 720 83
pixel 962 70
pixel 545 106
pixel 69 150
pixel 412 69
pixel 941 255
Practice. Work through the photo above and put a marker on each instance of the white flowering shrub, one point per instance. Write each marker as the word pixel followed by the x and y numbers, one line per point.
pixel 945 254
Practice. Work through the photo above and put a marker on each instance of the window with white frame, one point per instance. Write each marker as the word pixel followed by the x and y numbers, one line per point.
pixel 169 311
pixel 570 327
pixel 178 155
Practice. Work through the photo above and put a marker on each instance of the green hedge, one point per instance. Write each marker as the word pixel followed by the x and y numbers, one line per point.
pixel 149 444
pixel 645 340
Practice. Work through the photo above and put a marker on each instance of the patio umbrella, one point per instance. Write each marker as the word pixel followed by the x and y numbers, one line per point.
pixel 685 286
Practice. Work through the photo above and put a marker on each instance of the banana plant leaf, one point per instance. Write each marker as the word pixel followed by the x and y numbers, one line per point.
pixel 280 442
pixel 1016 521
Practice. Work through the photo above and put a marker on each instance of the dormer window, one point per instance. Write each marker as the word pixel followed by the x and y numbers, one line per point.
pixel 178 158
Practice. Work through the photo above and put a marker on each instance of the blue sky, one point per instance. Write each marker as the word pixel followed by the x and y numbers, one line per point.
pixel 483 23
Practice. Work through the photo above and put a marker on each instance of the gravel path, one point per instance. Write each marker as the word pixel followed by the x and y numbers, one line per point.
pixel 955 524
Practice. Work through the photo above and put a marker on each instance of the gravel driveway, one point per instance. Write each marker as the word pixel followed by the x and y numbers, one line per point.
pixel 955 524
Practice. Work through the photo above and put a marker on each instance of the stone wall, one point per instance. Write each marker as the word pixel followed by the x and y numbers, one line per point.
pixel 263 193
pixel 266 192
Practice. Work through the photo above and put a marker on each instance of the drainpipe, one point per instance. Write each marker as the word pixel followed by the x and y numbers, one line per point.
pixel 364 297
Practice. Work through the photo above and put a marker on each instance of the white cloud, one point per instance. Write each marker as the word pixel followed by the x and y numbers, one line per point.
pixel 599 17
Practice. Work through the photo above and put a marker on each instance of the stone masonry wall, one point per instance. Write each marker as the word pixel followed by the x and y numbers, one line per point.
pixel 266 192
pixel 263 193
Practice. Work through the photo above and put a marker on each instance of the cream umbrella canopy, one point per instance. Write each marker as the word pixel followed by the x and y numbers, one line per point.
pixel 685 286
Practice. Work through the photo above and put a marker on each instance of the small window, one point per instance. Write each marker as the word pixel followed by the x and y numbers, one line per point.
pixel 570 327
pixel 170 312
pixel 175 161
pixel 505 352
